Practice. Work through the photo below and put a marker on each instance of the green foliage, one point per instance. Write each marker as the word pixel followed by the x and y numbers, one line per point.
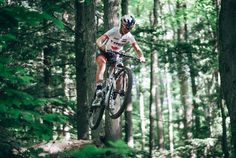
pixel 20 111
pixel 12 16
pixel 31 152
pixel 23 118
pixel 17 108
pixel 118 148
pixel 210 145
pixel 26 117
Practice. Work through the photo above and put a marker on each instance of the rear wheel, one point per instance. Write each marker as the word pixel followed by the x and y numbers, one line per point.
pixel 96 113
pixel 120 93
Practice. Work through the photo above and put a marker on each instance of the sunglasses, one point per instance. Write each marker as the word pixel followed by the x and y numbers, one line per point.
pixel 127 28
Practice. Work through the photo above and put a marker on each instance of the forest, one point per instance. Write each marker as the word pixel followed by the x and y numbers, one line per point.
pixel 183 102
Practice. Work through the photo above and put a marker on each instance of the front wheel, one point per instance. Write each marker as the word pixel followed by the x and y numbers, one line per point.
pixel 96 112
pixel 120 92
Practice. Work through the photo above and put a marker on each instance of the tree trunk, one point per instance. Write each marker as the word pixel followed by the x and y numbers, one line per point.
pixel 128 112
pixel 155 12
pixel 90 49
pixel 46 54
pixel 112 126
pixel 47 72
pixel 84 53
pixel 227 57
pixel 183 78
pixel 152 105
pixel 111 11
pixel 142 109
pixel 224 143
pixel 47 50
pixel 160 128
pixel 189 109
pixel 124 7
pixel 129 126
pixel 170 110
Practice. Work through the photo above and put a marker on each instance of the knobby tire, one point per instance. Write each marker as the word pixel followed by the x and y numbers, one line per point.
pixel 98 111
pixel 123 105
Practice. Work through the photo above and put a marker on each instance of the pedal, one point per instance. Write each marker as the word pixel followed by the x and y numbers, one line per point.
pixel 97 102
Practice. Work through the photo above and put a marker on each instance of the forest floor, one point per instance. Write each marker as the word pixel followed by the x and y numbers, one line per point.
pixel 54 147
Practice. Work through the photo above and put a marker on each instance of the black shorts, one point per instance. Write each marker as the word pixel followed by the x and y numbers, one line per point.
pixel 111 57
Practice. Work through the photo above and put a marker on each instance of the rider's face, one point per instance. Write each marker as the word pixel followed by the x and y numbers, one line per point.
pixel 125 30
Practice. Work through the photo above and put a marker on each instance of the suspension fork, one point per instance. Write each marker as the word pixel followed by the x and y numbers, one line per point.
pixel 109 79
pixel 121 80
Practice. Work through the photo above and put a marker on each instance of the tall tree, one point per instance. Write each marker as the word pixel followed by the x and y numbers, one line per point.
pixel 160 131
pixel 142 107
pixel 170 109
pixel 128 112
pixel 221 104
pixel 84 52
pixel 124 7
pixel 182 71
pixel 227 57
pixel 220 100
pixel 112 126
pixel 155 12
pixel 153 95
pixel 159 115
pixel 46 57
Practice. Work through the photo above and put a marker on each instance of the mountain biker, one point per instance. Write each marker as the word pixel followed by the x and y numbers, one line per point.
pixel 114 40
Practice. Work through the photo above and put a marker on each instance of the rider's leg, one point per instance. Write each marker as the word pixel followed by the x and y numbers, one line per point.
pixel 101 66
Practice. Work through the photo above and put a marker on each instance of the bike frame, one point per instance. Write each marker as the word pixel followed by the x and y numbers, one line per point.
pixel 112 71
pixel 113 81
pixel 110 79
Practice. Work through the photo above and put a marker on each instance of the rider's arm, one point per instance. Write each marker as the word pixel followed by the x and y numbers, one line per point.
pixel 138 51
pixel 100 42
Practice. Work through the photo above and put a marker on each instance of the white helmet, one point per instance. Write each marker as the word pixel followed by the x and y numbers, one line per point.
pixel 128 21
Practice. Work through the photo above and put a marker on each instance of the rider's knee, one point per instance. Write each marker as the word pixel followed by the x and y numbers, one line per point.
pixel 100 60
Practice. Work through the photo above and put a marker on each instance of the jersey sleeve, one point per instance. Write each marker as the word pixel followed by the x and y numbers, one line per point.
pixel 110 32
pixel 131 39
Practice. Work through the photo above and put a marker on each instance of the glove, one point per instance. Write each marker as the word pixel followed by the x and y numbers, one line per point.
pixel 142 59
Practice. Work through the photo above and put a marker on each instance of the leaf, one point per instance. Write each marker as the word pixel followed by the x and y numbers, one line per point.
pixel 27 116
pixel 4 60
pixel 41 131
pixel 8 37
pixel 89 151
pixel 16 102
pixel 39 101
pixel 54 118
pixel 3 108
pixel 46 137
pixel 120 147
pixel 5 102
pixel 19 97
pixel 55 101
pixel 119 144
pixel 2 46
pixel 14 113
pixel 25 79
pixel 58 23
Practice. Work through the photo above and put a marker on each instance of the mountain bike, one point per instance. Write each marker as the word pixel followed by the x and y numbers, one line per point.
pixel 116 90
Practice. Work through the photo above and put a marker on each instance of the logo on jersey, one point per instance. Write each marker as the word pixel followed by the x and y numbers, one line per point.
pixel 114 48
pixel 116 43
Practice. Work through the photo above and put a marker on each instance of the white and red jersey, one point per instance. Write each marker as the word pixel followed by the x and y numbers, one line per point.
pixel 116 41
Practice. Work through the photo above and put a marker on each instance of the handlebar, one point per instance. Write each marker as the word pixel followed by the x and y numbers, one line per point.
pixel 121 53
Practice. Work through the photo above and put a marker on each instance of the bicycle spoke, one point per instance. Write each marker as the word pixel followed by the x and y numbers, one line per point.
pixel 121 94
pixel 95 114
